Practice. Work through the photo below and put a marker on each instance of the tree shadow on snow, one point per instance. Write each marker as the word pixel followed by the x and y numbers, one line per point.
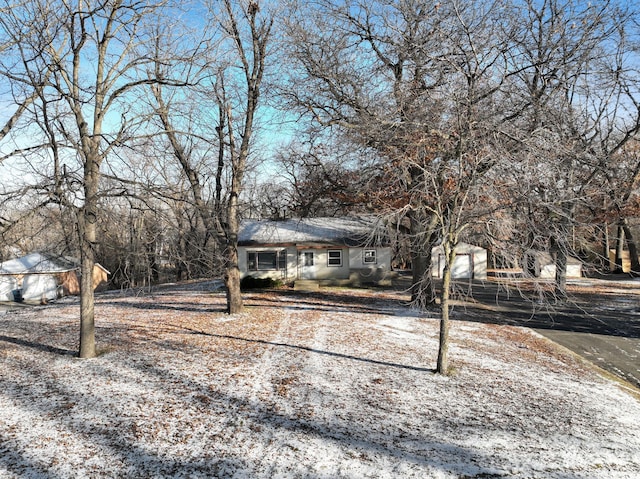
pixel 110 431
pixel 312 350
pixel 39 346
pixel 329 301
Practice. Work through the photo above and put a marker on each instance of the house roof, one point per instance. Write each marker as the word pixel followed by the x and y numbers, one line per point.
pixel 37 263
pixel 343 231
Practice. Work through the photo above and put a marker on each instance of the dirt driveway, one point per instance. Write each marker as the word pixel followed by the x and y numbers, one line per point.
pixel 601 322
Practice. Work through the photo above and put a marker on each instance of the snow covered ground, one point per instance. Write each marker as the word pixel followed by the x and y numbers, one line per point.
pixel 309 386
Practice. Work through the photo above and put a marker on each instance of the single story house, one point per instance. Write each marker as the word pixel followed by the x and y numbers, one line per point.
pixel 331 250
pixel 43 277
pixel 470 262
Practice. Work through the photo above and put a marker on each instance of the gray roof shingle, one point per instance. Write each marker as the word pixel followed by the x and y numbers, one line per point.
pixel 343 231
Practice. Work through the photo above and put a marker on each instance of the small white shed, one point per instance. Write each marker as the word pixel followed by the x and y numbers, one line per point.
pixel 32 277
pixel 43 277
pixel 470 262
pixel 545 266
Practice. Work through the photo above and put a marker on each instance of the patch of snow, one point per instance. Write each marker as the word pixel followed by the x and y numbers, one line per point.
pixel 401 328
pixel 182 390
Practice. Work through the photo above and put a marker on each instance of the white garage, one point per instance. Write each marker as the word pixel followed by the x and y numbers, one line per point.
pixel 33 277
pixel 470 262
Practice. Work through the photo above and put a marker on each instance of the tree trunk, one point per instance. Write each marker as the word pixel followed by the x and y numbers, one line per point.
pixel 87 229
pixel 87 321
pixel 421 284
pixel 232 276
pixel 422 293
pixel 561 271
pixel 619 249
pixel 232 282
pixel 605 248
pixel 633 250
pixel 442 366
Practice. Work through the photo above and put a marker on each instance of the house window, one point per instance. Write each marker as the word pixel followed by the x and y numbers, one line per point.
pixel 334 257
pixel 267 260
pixel 369 256
pixel 307 259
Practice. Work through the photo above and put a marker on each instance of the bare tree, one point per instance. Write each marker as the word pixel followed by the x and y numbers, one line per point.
pixel 371 73
pixel 249 30
pixel 422 98
pixel 317 178
pixel 89 53
pixel 23 93
pixel 225 75
pixel 570 110
pixel 446 94
pixel 622 174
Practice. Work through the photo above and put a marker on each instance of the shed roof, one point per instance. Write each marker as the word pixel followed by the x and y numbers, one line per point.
pixel 463 248
pixel 545 257
pixel 346 231
pixel 37 263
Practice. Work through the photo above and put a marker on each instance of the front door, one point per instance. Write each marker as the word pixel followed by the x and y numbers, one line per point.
pixel 306 265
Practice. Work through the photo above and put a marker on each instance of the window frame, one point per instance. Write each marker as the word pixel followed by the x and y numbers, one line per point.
pixel 365 256
pixel 279 263
pixel 308 259
pixel 339 258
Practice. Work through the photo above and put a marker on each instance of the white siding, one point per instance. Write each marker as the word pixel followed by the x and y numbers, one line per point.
pixel 7 285
pixel 480 263
pixel 36 287
pixel 322 270
pixel 383 259
pixel 548 271
pixel 352 260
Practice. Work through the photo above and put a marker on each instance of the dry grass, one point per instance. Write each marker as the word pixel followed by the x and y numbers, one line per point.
pixel 334 384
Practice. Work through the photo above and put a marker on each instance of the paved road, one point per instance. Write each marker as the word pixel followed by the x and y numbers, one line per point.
pixel 602 327
pixel 618 355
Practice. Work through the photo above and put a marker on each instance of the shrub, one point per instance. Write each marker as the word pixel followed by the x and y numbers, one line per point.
pixel 249 282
